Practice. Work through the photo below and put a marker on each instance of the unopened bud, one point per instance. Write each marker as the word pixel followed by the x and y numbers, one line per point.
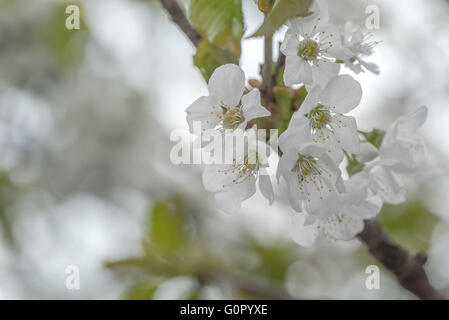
pixel 265 5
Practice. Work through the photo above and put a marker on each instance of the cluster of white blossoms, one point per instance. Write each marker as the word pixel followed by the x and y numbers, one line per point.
pixel 326 200
pixel 227 110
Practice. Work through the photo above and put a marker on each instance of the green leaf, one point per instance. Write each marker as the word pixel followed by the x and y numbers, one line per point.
pixel 167 233
pixel 283 11
pixel 209 57
pixel 219 21
pixel 374 137
pixel 299 96
pixel 353 165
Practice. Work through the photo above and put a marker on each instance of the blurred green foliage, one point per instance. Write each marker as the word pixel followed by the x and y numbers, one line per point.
pixel 209 57
pixel 68 46
pixel 218 21
pixel 274 259
pixel 7 192
pixel 410 223
pixel 283 11
pixel 172 249
pixel 221 25
pixel 167 226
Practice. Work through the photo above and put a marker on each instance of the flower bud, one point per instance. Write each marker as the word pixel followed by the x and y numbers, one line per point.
pixel 265 5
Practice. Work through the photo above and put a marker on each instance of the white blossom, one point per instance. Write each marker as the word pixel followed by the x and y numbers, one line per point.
pixel 385 183
pixel 361 45
pixel 401 151
pixel 312 47
pixel 311 177
pixel 402 144
pixel 235 182
pixel 321 119
pixel 226 107
pixel 357 206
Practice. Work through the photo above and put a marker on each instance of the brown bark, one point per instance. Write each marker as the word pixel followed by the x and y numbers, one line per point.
pixel 177 15
pixel 408 269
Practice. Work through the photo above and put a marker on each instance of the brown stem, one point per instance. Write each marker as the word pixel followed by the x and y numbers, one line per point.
pixel 266 72
pixel 178 17
pixel 279 65
pixel 408 269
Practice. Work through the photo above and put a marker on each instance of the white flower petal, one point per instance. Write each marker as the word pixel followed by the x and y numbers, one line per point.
pixel 406 154
pixel 301 234
pixel 342 226
pixel 327 139
pixel 231 200
pixel 372 67
pixel 297 133
pixel 290 45
pixel 367 152
pixel 227 84
pixel 287 162
pixel 294 198
pixel 342 92
pixel 219 177
pixel 305 73
pixel 297 71
pixel 345 130
pixel 204 109
pixel 386 186
pixel 410 123
pixel 251 106
pixel 401 144
pixel 321 202
pixel 313 149
pixel 266 188
pixel 329 167
pixel 324 71
pixel 309 103
pixel 367 209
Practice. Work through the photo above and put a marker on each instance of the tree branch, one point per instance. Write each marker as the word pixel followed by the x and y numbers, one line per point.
pixel 178 17
pixel 408 269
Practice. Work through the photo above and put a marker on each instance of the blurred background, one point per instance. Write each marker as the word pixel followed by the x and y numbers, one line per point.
pixel 86 180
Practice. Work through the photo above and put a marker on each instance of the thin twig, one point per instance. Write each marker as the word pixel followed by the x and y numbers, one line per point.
pixel 178 17
pixel 266 71
pixel 279 64
pixel 408 269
